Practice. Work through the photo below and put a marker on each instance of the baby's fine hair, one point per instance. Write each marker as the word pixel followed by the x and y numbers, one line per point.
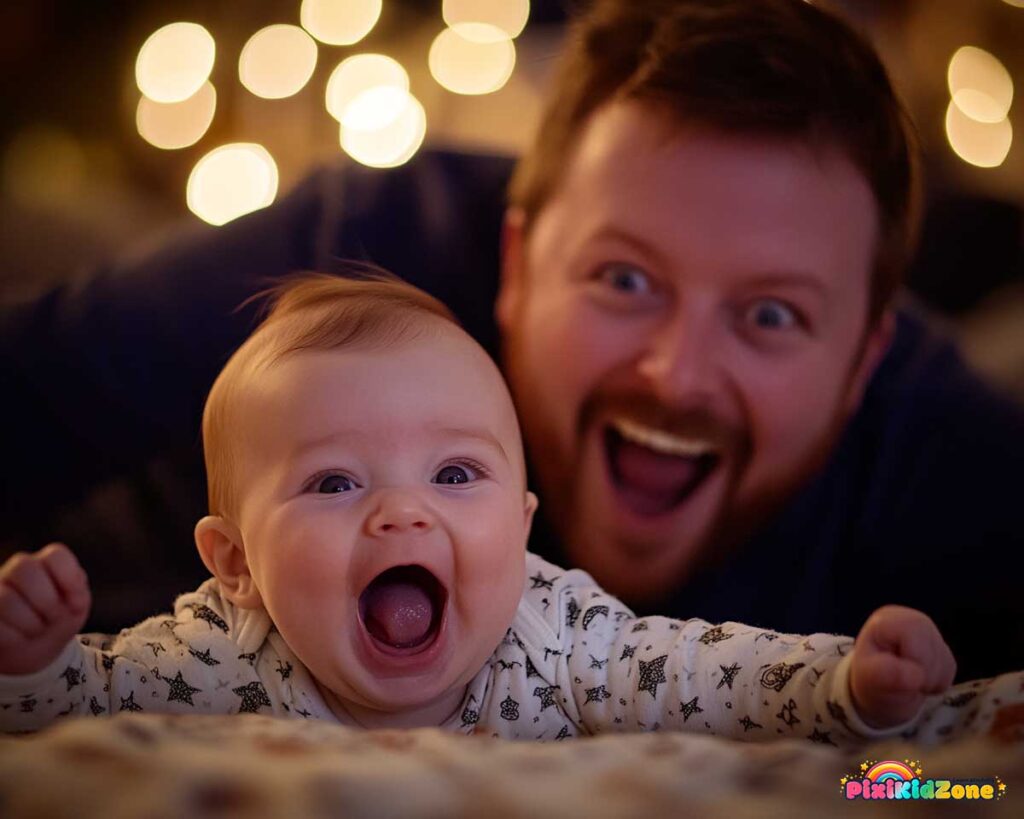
pixel 366 308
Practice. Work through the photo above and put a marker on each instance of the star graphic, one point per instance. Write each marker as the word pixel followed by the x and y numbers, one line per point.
pixel 156 648
pixel 73 676
pixel 597 664
pixel 688 709
pixel 128 703
pixel 591 613
pixel 821 737
pixel 546 694
pixel 863 766
pixel 728 675
pixel 787 714
pixel 249 658
pixel 572 612
pixel 748 723
pixel 203 612
pixel 95 707
pixel 540 582
pixel 641 626
pixel 652 674
pixel 509 709
pixel 531 669
pixel 180 691
pixel 254 697
pixel 627 652
pixel 108 660
pixel 203 656
pixel 564 733
pixel 285 670
pixel 553 651
pixel 598 694
pixel 714 635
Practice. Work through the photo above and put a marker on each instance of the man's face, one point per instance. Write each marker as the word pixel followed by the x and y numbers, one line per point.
pixel 685 329
pixel 384 518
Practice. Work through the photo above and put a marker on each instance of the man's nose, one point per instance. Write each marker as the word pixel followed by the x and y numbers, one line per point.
pixel 398 511
pixel 679 361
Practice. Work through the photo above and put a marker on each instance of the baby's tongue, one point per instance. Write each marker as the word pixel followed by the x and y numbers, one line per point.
pixel 398 613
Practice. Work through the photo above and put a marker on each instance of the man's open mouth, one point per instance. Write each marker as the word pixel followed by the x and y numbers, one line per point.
pixel 653 470
pixel 402 609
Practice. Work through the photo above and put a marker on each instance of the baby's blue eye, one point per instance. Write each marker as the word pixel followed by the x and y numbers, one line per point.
pixel 452 474
pixel 773 315
pixel 333 484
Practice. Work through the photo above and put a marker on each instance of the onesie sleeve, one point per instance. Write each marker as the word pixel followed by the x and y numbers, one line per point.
pixel 652 673
pixel 186 662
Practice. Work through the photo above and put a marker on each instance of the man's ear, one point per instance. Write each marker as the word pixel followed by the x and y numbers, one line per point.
pixel 220 546
pixel 876 345
pixel 510 290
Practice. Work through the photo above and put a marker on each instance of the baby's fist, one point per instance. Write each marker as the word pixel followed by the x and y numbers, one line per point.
pixel 44 601
pixel 900 658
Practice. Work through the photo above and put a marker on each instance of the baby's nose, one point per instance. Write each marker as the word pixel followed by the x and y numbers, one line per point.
pixel 399 511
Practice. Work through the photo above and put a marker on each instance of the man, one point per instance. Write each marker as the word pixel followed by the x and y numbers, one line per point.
pixel 725 416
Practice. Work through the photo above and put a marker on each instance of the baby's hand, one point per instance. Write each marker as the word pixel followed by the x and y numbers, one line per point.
pixel 44 600
pixel 900 657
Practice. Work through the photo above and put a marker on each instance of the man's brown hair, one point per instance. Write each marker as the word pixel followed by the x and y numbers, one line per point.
pixel 776 68
pixel 311 311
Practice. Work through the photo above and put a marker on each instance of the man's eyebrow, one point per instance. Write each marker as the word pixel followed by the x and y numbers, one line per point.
pixel 789 278
pixel 611 233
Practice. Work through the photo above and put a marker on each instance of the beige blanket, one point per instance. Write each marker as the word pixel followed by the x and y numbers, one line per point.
pixel 251 766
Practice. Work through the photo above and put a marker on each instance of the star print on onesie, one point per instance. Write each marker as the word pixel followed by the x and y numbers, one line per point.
pixel 565 667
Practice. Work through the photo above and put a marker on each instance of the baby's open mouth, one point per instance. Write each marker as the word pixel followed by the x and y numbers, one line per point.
pixel 655 472
pixel 402 608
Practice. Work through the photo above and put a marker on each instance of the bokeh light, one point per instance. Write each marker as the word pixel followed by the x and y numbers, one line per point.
pixel 509 16
pixel 174 62
pixel 984 144
pixel 367 91
pixel 277 61
pixel 230 181
pixel 339 22
pixel 980 85
pixel 171 125
pixel 472 58
pixel 392 145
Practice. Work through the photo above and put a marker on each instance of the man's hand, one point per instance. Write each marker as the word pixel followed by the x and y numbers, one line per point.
pixel 44 601
pixel 900 658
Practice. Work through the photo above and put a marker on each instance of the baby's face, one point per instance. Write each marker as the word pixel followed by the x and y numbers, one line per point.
pixel 384 516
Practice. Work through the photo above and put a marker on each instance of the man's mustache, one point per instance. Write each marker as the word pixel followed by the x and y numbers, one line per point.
pixel 694 421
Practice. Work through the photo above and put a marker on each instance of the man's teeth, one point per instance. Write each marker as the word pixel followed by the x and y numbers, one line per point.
pixel 661 441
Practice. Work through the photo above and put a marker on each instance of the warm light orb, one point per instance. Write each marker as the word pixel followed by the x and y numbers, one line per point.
pixel 367 91
pixel 277 61
pixel 509 16
pixel 339 22
pixel 472 58
pixel 389 146
pixel 980 85
pixel 984 144
pixel 230 181
pixel 174 62
pixel 171 125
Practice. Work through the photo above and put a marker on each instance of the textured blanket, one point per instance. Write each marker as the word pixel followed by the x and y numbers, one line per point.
pixel 136 765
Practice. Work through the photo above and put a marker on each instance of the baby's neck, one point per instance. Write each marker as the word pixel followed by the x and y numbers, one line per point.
pixel 430 715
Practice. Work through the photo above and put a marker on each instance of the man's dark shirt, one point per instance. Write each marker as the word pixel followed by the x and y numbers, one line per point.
pixel 104 381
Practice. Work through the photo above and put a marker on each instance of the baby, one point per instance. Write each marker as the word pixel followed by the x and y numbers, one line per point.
pixel 367 541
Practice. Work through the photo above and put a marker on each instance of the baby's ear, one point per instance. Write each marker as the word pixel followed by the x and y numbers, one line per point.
pixel 529 509
pixel 220 546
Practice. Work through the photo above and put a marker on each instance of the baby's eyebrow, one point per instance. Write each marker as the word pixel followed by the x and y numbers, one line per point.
pixel 479 433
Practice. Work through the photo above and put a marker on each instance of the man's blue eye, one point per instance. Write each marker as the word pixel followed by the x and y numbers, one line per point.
pixel 452 474
pixel 626 278
pixel 773 315
pixel 333 484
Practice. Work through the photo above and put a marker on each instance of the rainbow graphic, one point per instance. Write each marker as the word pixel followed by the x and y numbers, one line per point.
pixel 890 769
